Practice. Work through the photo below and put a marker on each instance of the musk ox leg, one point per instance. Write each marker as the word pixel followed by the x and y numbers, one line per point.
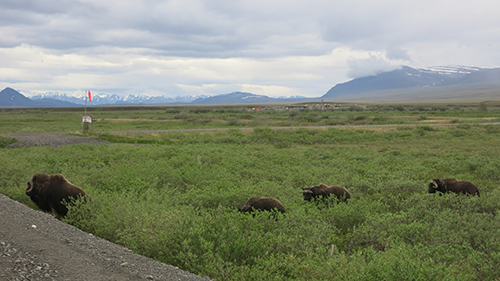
pixel 54 213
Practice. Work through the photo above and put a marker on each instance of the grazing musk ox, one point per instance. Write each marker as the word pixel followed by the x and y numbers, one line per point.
pixel 323 191
pixel 262 204
pixel 453 185
pixel 49 192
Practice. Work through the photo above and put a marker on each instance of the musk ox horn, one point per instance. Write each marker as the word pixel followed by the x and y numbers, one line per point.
pixel 307 191
pixel 433 184
pixel 31 184
pixel 30 187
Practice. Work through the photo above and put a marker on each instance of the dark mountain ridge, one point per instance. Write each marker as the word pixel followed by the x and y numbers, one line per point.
pixel 12 98
pixel 244 98
pixel 49 102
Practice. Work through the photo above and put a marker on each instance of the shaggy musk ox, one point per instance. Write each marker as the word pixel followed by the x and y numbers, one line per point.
pixel 453 185
pixel 323 191
pixel 49 192
pixel 262 204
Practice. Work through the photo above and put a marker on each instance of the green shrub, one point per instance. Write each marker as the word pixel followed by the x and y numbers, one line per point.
pixel 4 141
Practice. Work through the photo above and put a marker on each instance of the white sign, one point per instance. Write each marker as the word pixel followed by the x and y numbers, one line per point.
pixel 86 118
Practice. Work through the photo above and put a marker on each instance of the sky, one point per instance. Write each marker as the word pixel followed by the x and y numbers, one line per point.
pixel 211 47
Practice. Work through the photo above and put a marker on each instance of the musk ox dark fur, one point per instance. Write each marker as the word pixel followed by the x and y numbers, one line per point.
pixel 323 191
pixel 50 192
pixel 262 204
pixel 453 185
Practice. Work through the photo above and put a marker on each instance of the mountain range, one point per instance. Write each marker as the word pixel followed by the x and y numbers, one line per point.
pixel 79 97
pixel 406 84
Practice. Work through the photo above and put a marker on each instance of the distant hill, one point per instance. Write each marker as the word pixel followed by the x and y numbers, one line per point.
pixel 12 98
pixel 455 83
pixel 48 102
pixel 244 98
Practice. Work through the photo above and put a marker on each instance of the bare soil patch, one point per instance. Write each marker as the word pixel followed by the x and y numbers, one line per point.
pixel 55 140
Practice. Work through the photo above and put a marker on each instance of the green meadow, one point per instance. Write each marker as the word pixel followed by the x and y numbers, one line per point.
pixel 173 196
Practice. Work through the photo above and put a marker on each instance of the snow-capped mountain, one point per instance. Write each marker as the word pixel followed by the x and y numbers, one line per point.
pixel 114 99
pixel 408 83
pixel 291 97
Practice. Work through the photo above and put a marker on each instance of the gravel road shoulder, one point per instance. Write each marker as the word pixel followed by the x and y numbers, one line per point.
pixel 36 246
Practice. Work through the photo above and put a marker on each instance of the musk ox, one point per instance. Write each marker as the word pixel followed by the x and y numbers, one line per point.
pixel 453 185
pixel 49 192
pixel 262 204
pixel 323 191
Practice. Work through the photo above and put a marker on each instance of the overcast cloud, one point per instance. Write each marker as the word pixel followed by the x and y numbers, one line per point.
pixel 212 47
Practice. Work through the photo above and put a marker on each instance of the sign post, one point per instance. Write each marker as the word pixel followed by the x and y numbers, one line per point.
pixel 86 119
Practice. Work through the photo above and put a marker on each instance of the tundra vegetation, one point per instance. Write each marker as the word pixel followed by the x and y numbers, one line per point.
pixel 176 199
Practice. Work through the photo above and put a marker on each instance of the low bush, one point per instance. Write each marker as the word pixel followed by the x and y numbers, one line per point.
pixel 4 141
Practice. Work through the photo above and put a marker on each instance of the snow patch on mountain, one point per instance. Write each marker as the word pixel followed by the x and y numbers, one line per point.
pixel 451 70
pixel 253 97
pixel 79 97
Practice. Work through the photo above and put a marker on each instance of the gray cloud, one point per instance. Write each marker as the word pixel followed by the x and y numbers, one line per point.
pixel 195 42
pixel 394 53
pixel 240 28
pixel 369 66
pixel 187 28
pixel 36 6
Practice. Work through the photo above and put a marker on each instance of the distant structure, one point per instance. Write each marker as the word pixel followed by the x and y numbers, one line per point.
pixel 86 119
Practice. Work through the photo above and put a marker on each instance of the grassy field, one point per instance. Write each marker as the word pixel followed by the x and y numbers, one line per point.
pixel 110 119
pixel 175 198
